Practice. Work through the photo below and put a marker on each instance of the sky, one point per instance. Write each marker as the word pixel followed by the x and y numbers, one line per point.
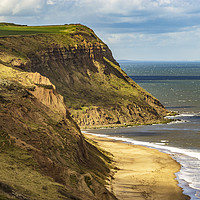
pixel 157 30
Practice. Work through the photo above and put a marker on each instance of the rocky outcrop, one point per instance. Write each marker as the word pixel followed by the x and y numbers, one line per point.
pixel 46 93
pixel 117 116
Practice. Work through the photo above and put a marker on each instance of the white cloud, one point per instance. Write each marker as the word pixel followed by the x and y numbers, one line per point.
pixel 189 37
pixel 128 6
pixel 130 27
pixel 121 7
pixel 20 7
pixel 2 19
pixel 166 46
pixel 165 2
pixel 111 10
pixel 50 2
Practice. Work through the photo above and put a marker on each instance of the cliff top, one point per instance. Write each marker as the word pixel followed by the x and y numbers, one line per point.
pixel 9 29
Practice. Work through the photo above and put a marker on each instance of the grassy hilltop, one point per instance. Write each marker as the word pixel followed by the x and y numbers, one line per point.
pixel 8 29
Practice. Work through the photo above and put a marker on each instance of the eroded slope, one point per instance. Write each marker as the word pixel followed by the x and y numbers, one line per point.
pixel 43 155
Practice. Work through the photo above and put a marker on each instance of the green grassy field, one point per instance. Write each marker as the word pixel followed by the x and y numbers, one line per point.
pixel 7 29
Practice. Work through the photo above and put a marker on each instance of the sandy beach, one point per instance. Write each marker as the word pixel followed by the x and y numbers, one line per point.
pixel 144 173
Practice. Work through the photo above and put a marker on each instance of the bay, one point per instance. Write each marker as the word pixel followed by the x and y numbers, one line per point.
pixel 177 86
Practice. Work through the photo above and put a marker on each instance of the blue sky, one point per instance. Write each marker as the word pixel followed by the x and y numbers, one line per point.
pixel 133 29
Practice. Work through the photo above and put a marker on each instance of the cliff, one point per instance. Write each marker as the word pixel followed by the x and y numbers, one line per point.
pixel 95 89
pixel 43 154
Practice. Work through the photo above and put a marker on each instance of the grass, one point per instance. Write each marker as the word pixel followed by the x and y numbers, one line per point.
pixel 59 140
pixel 17 43
pixel 17 171
pixel 9 74
pixel 3 197
pixel 114 86
pixel 11 29
pixel 100 90
pixel 24 30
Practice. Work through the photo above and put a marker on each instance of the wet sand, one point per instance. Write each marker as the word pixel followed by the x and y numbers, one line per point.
pixel 144 173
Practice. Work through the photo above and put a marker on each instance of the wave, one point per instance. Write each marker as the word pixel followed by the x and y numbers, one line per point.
pixel 187 115
pixel 183 115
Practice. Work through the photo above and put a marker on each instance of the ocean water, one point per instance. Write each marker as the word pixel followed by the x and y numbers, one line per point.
pixel 177 86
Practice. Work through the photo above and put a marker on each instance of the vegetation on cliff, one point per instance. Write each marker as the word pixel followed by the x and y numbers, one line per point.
pixel 95 89
pixel 43 154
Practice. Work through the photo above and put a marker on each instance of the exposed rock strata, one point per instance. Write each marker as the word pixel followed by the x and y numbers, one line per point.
pixel 95 88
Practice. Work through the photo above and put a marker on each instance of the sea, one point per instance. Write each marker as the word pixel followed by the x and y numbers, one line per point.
pixel 177 86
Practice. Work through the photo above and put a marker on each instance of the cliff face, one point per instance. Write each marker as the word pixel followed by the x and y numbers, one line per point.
pixel 95 89
pixel 43 154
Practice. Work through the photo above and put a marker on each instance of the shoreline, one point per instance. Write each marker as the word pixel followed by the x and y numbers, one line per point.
pixel 87 128
pixel 144 173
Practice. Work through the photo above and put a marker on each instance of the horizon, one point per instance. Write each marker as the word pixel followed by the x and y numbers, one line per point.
pixel 119 60
pixel 124 60
pixel 161 30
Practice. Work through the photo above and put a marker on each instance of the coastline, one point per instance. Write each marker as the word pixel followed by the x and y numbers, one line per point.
pixel 165 121
pixel 144 173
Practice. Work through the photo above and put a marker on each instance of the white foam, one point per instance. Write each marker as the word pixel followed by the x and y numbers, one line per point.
pixel 188 177
pixel 195 185
pixel 164 141
pixel 161 143
pixel 182 115
pixel 190 153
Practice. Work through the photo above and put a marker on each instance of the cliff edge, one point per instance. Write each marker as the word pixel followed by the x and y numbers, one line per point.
pixel 95 89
